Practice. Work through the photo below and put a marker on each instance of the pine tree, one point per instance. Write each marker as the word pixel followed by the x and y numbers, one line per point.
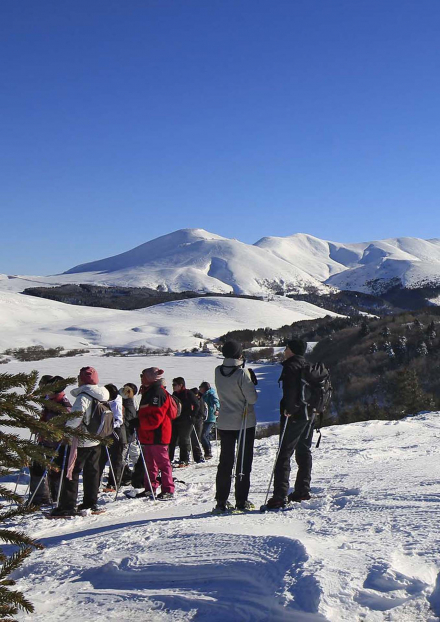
pixel 365 329
pixel 409 397
pixel 21 402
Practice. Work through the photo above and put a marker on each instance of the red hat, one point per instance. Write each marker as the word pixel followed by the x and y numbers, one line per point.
pixel 88 375
pixel 151 374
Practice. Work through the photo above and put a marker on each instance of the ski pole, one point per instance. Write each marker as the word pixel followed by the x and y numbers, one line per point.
pixel 145 466
pixel 276 458
pixel 216 441
pixel 243 445
pixel 60 485
pixel 200 445
pixel 42 478
pixel 110 464
pixel 123 469
pixel 234 468
pixel 21 470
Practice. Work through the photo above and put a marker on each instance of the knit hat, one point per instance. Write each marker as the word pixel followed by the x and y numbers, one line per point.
pixel 232 350
pixel 297 346
pixel 151 374
pixel 88 375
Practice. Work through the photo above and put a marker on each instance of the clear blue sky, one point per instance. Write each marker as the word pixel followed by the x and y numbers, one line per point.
pixel 122 120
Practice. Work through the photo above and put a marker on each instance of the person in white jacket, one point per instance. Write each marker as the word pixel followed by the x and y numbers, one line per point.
pixel 236 424
pixel 88 452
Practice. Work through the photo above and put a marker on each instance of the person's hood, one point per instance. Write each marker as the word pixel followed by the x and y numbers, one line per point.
pixel 93 390
pixel 232 363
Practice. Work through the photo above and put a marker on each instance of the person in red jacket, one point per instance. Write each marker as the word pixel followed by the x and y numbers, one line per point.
pixel 156 411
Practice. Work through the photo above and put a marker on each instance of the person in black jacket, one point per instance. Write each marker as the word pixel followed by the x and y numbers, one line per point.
pixel 297 429
pixel 183 425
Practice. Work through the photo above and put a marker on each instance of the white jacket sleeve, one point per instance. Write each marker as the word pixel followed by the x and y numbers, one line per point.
pixel 81 405
pixel 248 388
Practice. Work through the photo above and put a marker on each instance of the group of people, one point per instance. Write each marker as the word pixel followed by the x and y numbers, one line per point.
pixel 150 422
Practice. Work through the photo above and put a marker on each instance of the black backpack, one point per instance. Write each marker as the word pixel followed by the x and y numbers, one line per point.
pixel 101 420
pixel 316 392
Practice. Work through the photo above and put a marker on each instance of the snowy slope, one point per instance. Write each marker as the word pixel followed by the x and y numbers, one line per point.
pixel 365 547
pixel 27 320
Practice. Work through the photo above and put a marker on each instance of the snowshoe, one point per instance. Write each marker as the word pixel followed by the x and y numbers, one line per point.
pixel 223 508
pixel 242 508
pixel 165 496
pixel 60 513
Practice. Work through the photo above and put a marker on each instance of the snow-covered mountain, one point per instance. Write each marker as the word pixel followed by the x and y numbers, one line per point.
pixel 193 259
pixel 196 260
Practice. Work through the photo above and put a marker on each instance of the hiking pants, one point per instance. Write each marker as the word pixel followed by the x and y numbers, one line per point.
pixel 157 459
pixel 196 447
pixel 205 440
pixel 181 434
pixel 228 440
pixel 298 439
pixel 87 461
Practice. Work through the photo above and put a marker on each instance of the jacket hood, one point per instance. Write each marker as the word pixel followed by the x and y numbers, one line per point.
pixel 232 362
pixel 93 390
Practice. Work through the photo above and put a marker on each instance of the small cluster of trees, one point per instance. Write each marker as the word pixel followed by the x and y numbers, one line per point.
pixel 38 353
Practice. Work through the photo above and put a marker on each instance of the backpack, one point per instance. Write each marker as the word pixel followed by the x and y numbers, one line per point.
pixel 175 407
pixel 316 392
pixel 101 419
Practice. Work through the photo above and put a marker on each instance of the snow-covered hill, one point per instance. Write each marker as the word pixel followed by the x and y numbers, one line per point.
pixel 365 547
pixel 27 321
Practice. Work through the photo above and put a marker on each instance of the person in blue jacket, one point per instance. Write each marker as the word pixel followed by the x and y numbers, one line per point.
pixel 212 402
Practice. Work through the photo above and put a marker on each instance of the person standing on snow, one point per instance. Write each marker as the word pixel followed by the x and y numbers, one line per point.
pixel 119 437
pixel 183 425
pixel 298 431
pixel 157 409
pixel 236 424
pixel 86 458
pixel 210 398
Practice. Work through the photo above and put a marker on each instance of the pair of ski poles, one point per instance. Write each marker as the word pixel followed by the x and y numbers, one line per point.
pixel 46 470
pixel 241 435
pixel 125 464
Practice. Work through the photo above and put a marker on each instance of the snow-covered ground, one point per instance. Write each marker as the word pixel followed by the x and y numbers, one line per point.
pixel 364 548
pixel 27 321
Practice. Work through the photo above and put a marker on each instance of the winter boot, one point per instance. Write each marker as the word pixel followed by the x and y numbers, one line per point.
pixel 298 496
pixel 223 508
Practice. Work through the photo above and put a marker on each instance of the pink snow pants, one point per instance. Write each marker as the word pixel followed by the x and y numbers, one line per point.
pixel 157 459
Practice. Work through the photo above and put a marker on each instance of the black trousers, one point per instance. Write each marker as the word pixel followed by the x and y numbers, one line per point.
pixel 87 461
pixel 116 452
pixel 197 450
pixel 181 435
pixel 228 441
pixel 297 438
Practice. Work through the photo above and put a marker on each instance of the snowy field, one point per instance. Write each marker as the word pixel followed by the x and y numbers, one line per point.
pixel 365 547
pixel 28 321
